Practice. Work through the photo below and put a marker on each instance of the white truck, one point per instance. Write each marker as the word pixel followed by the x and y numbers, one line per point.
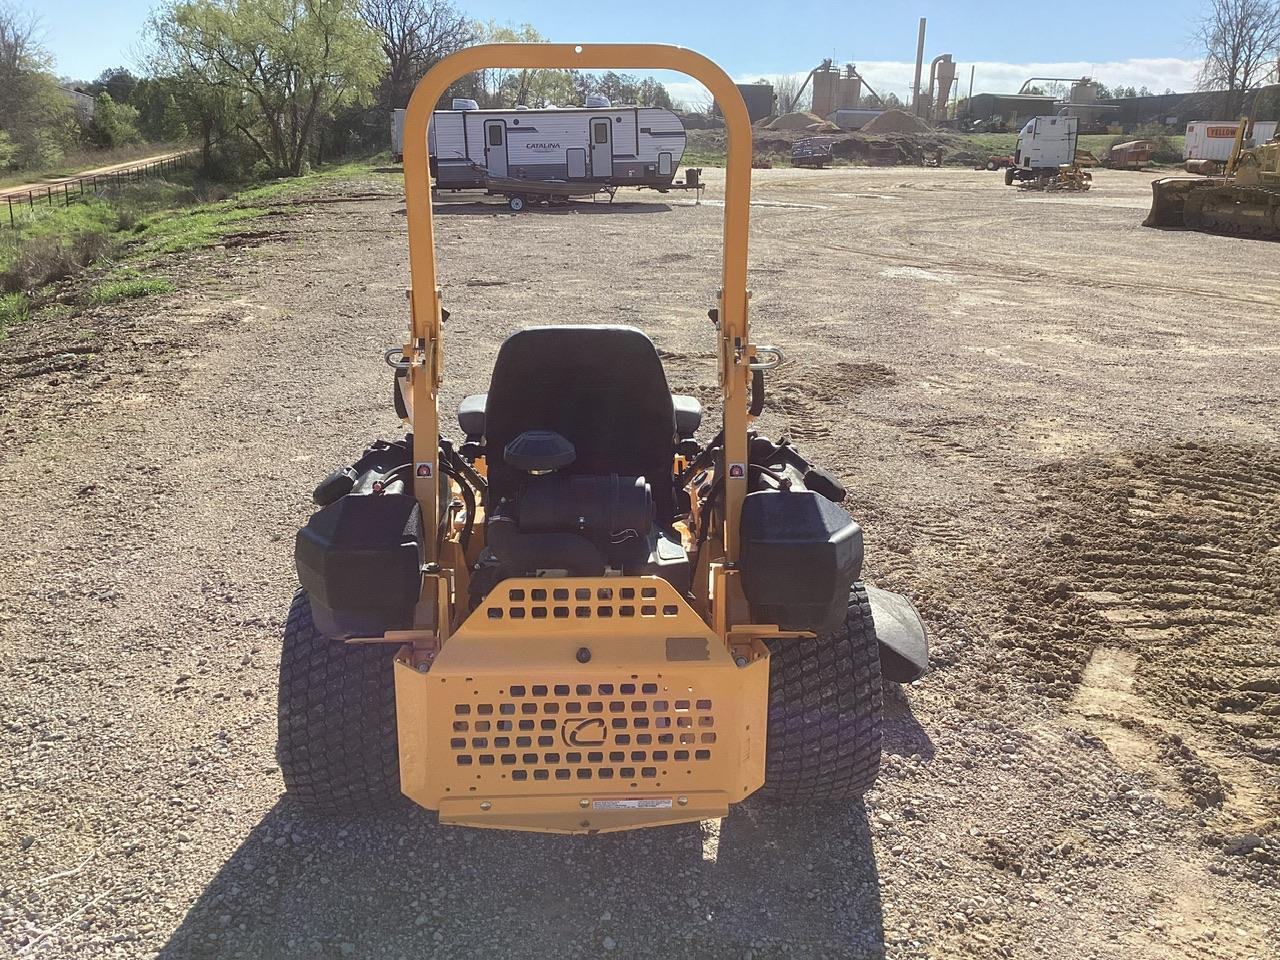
pixel 1044 145
pixel 1210 142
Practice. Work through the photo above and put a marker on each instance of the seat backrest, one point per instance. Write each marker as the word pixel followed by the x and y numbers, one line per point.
pixel 602 387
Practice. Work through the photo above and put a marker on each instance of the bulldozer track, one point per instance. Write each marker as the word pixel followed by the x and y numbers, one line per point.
pixel 1218 210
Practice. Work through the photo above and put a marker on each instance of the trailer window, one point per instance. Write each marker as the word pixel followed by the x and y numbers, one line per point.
pixel 600 132
pixel 495 135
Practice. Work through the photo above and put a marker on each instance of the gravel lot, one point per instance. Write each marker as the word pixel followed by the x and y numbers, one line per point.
pixel 1060 430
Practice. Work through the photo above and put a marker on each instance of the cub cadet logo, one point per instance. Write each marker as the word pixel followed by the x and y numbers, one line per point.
pixel 587 732
pixel 542 146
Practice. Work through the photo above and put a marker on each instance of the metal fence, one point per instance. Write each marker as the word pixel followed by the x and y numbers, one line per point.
pixel 67 192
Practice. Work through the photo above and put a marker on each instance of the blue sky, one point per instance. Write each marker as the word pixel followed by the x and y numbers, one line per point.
pixel 1119 43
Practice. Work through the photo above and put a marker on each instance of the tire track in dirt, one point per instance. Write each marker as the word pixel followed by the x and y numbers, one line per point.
pixel 1154 610
pixel 1020 273
pixel 802 395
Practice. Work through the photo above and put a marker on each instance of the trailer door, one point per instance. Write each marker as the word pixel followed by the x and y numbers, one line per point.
pixel 495 147
pixel 601 148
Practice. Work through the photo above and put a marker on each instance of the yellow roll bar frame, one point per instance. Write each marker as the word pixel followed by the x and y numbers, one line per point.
pixel 425 347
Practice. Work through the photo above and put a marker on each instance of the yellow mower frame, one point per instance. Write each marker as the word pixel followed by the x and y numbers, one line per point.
pixel 580 704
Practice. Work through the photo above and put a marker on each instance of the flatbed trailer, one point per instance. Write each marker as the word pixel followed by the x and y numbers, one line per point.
pixel 520 192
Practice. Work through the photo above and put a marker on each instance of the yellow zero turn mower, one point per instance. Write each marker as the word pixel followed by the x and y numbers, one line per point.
pixel 581 618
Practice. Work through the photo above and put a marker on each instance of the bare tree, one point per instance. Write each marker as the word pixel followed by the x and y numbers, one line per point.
pixel 415 35
pixel 1241 39
pixel 786 89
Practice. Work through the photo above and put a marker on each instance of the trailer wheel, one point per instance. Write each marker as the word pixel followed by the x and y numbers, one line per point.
pixel 991 165
pixel 825 711
pixel 336 719
pixel 516 204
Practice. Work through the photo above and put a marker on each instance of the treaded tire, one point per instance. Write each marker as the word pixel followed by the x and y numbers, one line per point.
pixel 825 711
pixel 336 720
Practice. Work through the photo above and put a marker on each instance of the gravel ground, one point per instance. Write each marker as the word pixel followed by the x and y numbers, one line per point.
pixel 1060 431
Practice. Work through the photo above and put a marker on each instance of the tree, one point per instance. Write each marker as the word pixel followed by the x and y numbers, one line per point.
pixel 786 89
pixel 414 36
pixel 501 87
pixel 34 115
pixel 1241 40
pixel 8 151
pixel 114 124
pixel 889 101
pixel 116 81
pixel 281 67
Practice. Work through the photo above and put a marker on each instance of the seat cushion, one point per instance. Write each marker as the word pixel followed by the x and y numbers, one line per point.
pixel 601 387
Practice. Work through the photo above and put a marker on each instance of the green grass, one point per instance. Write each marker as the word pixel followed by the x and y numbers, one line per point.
pixel 118 240
pixel 179 231
pixel 127 285
pixel 1099 144
pixel 14 309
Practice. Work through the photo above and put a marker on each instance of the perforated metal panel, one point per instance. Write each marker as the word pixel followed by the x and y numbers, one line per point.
pixel 512 725
pixel 517 604
pixel 629 732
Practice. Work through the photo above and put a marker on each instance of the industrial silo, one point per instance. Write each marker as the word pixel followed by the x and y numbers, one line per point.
pixel 826 81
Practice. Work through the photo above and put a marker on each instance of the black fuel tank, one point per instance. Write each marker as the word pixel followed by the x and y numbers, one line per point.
pixel 800 555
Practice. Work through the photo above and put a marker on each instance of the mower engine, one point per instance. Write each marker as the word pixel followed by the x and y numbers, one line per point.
pixel 580 525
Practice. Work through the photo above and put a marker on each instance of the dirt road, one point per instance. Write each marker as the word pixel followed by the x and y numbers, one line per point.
pixel 1060 430
pixel 40 185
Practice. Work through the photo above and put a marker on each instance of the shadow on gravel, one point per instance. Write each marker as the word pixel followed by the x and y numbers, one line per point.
pixel 481 208
pixel 767 876
pixel 903 735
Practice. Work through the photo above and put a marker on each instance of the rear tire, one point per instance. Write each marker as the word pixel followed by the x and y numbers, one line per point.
pixel 825 711
pixel 516 204
pixel 336 733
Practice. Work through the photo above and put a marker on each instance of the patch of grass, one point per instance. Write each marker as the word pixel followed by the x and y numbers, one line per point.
pixel 127 285
pixel 285 189
pixel 178 231
pixel 133 228
pixel 14 308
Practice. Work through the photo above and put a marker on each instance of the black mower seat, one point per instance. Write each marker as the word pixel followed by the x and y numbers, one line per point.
pixel 688 412
pixel 601 387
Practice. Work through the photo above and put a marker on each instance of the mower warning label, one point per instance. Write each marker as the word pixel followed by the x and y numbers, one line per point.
pixel 639 803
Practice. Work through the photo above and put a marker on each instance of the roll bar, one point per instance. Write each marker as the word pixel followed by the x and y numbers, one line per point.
pixel 425 349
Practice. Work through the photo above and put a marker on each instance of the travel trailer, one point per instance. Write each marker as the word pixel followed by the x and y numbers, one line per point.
pixel 598 143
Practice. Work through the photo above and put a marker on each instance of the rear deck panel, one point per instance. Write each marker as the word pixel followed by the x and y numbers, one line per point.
pixel 508 727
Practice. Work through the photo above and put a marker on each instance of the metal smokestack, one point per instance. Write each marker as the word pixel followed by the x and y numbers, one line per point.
pixel 915 90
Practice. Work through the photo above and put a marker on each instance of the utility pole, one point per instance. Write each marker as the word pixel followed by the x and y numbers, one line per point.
pixel 915 90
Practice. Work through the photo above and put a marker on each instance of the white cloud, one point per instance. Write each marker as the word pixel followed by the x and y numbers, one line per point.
pixel 890 76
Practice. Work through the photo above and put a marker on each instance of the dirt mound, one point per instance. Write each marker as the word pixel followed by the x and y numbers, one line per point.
pixel 794 121
pixel 895 121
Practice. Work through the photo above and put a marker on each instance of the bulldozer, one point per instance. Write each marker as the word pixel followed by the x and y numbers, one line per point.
pixel 588 613
pixel 1245 201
